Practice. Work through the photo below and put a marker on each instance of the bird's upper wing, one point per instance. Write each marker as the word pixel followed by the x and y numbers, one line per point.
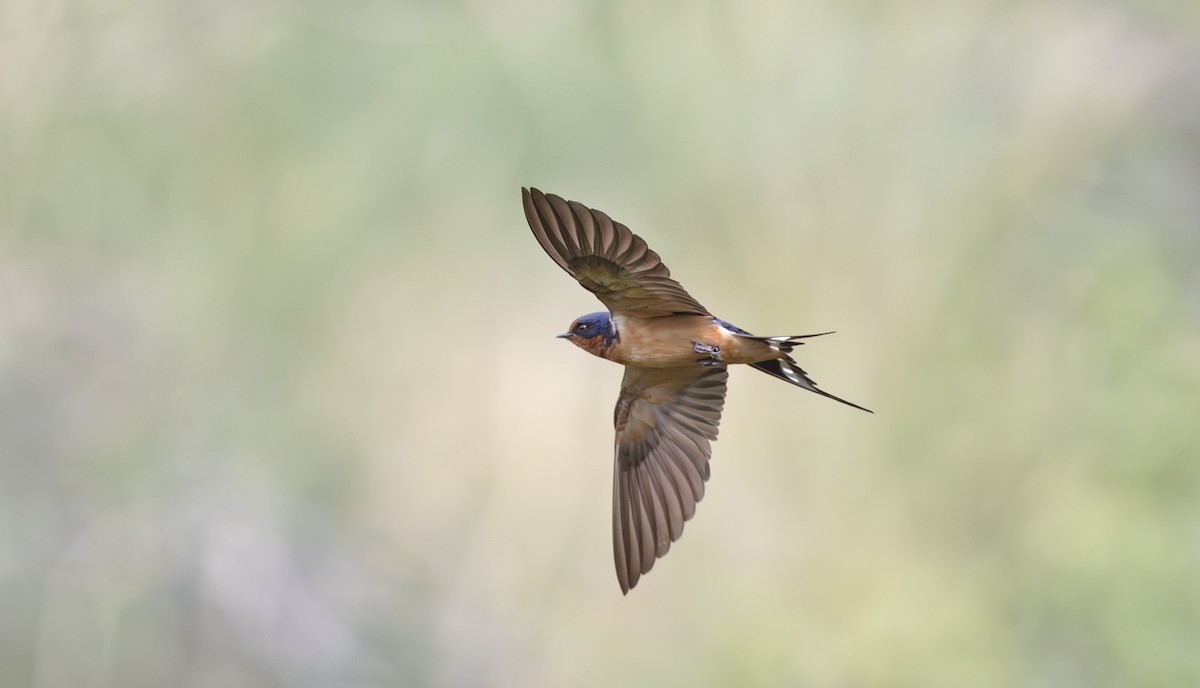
pixel 665 419
pixel 605 257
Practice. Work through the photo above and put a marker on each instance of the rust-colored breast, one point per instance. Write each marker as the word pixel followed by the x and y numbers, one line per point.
pixel 661 342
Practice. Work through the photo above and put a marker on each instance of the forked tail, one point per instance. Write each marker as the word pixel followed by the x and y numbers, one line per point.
pixel 786 369
pixel 784 343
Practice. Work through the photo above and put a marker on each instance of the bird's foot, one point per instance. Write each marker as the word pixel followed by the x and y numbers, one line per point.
pixel 713 353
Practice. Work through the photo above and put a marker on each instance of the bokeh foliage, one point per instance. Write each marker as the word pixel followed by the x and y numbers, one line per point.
pixel 279 403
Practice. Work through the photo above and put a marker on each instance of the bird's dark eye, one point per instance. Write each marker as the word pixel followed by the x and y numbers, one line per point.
pixel 582 328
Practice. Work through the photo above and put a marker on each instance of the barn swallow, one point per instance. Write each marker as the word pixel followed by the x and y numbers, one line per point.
pixel 676 357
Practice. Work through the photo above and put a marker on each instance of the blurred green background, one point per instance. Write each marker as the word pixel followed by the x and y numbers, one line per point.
pixel 280 403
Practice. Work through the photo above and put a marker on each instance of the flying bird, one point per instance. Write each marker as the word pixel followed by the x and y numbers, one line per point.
pixel 676 357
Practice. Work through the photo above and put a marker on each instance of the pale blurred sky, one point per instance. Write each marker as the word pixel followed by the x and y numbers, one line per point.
pixel 280 402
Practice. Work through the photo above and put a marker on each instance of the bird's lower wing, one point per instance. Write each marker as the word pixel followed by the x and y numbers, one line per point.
pixel 665 421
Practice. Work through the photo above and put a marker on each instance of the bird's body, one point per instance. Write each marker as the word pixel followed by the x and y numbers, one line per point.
pixel 676 357
pixel 669 341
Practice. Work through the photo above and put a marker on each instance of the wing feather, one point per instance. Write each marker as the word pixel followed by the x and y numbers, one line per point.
pixel 665 420
pixel 605 257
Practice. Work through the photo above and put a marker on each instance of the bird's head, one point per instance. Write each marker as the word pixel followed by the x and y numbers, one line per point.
pixel 593 333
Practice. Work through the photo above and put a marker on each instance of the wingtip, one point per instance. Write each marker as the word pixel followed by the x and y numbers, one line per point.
pixel 623 583
pixel 627 585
